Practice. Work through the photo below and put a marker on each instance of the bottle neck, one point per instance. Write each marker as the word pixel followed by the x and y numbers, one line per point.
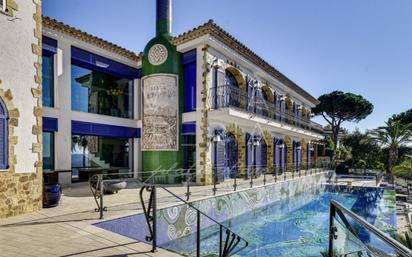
pixel 163 18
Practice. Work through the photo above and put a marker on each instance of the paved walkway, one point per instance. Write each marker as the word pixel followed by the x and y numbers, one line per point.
pixel 68 230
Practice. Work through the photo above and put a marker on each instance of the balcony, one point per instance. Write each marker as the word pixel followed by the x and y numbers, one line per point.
pixel 231 96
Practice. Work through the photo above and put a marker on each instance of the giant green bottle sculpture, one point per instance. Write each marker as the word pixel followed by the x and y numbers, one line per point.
pixel 162 99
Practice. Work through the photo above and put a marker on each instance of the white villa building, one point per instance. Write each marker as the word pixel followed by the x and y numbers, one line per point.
pixel 70 101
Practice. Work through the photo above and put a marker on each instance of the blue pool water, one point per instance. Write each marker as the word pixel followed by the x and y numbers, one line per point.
pixel 283 228
pixel 278 230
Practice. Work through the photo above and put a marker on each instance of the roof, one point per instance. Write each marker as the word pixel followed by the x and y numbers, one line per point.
pixel 88 38
pixel 208 28
pixel 213 29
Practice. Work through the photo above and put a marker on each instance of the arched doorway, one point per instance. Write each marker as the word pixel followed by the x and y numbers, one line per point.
pixel 231 156
pixel 232 89
pixel 260 152
pixel 279 155
pixel 267 102
pixel 297 154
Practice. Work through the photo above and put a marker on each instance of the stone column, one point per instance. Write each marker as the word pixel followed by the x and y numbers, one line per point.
pixel 304 153
pixel 289 151
pixel 269 142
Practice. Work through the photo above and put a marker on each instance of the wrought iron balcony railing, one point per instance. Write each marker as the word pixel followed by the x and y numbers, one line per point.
pixel 230 96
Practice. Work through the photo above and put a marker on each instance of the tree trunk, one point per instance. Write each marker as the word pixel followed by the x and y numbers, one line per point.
pixel 335 136
pixel 393 157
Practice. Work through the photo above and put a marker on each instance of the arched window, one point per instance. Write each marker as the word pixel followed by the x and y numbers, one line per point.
pixel 230 79
pixel 3 136
pixel 232 89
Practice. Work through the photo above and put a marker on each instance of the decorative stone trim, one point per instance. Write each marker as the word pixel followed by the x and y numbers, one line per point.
pixel 289 150
pixel 240 79
pixel 269 93
pixel 206 169
pixel 36 91
pixel 269 143
pixel 19 192
pixel 88 38
pixel 7 97
pixel 11 7
pixel 237 132
pixel 214 30
pixel 304 146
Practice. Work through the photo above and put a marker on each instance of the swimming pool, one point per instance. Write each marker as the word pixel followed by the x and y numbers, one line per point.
pixel 284 219
pixel 279 230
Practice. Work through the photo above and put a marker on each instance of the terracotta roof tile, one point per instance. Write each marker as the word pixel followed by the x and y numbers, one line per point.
pixel 213 29
pixel 88 38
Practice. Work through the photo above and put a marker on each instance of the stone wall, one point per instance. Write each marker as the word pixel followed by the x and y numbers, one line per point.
pixel 20 193
pixel 20 90
pixel 269 143
pixel 205 166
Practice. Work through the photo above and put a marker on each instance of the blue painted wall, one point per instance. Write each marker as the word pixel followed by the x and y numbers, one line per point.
pixel 189 73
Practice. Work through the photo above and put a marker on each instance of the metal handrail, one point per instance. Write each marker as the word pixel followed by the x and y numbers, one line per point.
pixel 226 250
pixel 337 208
pixel 225 96
pixel 207 216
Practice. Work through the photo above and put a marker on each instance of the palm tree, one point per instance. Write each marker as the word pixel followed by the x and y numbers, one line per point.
pixel 404 169
pixel 392 135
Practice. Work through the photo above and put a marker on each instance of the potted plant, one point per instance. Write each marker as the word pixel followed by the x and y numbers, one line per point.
pixel 51 189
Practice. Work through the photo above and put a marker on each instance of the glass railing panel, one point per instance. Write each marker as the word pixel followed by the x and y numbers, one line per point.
pixel 345 243
pixel 352 233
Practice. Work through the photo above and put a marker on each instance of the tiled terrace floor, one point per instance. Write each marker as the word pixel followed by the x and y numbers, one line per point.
pixel 68 230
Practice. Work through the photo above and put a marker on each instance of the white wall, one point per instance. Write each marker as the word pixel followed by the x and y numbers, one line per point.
pixel 17 73
pixel 63 111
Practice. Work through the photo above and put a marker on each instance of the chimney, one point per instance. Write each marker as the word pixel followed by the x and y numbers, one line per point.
pixel 163 17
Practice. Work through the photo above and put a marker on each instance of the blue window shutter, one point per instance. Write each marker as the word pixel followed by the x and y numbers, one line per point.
pixel 3 136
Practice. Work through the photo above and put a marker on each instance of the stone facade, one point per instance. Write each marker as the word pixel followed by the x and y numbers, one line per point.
pixel 241 145
pixel 269 143
pixel 304 151
pixel 20 89
pixel 289 151
pixel 206 169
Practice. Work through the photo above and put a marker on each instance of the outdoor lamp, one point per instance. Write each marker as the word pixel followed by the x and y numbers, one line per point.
pixel 281 146
pixel 256 142
pixel 216 138
pixel 299 148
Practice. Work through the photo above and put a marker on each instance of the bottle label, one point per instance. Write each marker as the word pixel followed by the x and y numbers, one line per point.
pixel 160 111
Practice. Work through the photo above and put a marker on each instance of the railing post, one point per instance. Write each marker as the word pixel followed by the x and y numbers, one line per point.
pixel 198 234
pixel 220 240
pixel 187 186
pixel 251 176
pixel 150 212
pixel 332 214
pixel 235 181
pixel 154 219
pixel 214 181
pixel 101 195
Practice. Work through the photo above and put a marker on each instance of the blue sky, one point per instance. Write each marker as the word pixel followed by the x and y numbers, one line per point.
pixel 364 47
